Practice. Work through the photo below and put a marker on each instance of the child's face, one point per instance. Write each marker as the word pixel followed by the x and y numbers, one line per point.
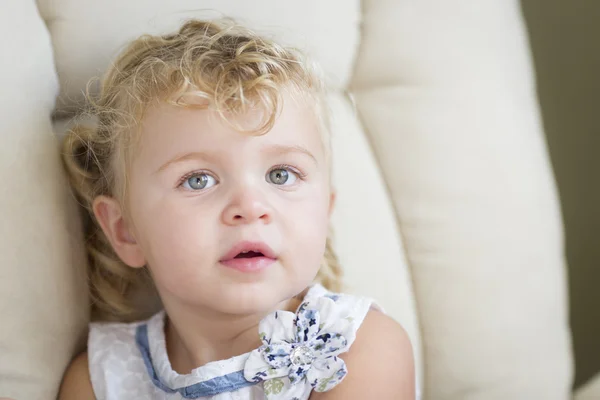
pixel 199 190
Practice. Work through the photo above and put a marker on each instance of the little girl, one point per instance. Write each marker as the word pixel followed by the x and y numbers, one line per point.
pixel 208 174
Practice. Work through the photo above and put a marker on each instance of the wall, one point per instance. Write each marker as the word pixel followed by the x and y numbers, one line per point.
pixel 565 39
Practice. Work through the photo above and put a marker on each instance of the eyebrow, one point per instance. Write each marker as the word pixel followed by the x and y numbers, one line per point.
pixel 195 155
pixel 285 149
pixel 275 149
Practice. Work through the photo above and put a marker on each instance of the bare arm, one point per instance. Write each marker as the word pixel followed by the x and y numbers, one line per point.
pixel 380 364
pixel 76 384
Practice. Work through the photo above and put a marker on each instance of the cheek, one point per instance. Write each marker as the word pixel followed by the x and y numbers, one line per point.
pixel 308 227
pixel 176 242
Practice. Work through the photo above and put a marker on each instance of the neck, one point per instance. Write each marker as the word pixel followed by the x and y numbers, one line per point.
pixel 197 337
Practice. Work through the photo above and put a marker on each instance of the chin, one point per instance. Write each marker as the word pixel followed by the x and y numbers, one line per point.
pixel 252 298
pixel 247 305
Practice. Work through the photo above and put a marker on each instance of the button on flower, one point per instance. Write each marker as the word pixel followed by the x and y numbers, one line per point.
pixel 309 354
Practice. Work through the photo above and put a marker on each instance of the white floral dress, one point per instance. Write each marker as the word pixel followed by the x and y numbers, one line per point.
pixel 299 354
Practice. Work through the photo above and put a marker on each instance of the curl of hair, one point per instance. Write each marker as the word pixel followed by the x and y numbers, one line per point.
pixel 206 64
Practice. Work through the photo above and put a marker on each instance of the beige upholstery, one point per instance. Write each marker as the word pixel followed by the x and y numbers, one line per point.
pixel 446 213
pixel 463 154
pixel 589 391
pixel 41 287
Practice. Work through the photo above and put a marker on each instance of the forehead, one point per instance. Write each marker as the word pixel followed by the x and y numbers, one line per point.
pixel 169 130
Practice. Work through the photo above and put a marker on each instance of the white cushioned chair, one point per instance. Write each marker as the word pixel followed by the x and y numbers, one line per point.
pixel 447 210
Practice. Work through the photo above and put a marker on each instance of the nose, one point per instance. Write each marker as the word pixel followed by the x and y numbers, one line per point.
pixel 246 207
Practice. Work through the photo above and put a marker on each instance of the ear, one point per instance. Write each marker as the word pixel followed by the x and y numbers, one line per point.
pixel 110 216
pixel 332 197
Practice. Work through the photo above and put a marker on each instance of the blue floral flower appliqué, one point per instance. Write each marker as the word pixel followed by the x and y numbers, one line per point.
pixel 297 347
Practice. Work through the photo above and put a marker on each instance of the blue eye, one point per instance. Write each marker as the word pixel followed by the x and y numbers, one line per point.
pixel 282 176
pixel 199 181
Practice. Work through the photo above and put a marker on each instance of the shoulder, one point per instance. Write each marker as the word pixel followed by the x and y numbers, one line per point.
pixel 76 384
pixel 380 363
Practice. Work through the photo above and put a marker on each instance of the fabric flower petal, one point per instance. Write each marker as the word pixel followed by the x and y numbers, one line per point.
pixel 331 314
pixel 256 369
pixel 298 372
pixel 307 323
pixel 326 373
pixel 277 355
pixel 282 389
pixel 277 327
pixel 329 344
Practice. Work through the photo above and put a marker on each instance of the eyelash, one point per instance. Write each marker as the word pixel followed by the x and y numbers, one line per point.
pixel 190 174
pixel 301 175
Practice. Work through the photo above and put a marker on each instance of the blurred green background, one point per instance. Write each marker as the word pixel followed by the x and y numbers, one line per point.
pixel 565 40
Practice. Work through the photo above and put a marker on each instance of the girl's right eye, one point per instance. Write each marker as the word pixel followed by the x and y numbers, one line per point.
pixel 199 181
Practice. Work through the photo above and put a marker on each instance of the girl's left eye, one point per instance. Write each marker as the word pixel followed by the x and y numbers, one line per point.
pixel 199 181
pixel 282 176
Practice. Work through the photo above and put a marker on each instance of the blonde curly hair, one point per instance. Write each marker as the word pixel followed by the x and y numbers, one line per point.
pixel 230 69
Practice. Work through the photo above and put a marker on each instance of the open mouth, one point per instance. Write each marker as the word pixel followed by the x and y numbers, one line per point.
pixel 249 254
pixel 249 257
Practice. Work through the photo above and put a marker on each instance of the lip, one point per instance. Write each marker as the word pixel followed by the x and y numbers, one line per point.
pixel 254 264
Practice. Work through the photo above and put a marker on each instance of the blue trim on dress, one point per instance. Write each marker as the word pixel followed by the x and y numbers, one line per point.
pixel 211 387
